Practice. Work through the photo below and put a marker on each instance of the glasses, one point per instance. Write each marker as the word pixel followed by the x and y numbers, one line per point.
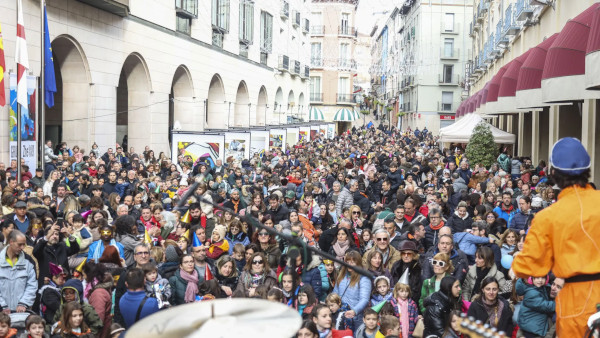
pixel 441 264
pixel 356 212
pixel 490 216
pixel 381 239
pixel 143 253
pixel 407 253
pixel 263 234
pixel 257 262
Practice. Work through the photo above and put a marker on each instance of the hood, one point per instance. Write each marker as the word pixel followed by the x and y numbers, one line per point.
pixel 314 262
pixel 74 284
pixel 463 218
pixel 37 206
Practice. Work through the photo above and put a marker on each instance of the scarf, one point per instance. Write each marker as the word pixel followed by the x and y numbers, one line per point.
pixel 340 248
pixel 403 312
pixel 222 244
pixel 191 289
pixel 507 210
pixel 236 205
pixel 481 273
pixel 149 223
pixel 493 309
pixel 438 227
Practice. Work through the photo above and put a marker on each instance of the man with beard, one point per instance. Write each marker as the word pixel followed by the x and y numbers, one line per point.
pixel 387 198
pixel 235 203
pixel 199 254
pixel 506 210
pixel 446 245
pixel 278 212
pixel 290 200
pixel 50 249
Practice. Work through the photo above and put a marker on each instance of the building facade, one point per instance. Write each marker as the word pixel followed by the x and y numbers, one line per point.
pixel 529 72
pixel 419 62
pixel 333 39
pixel 139 68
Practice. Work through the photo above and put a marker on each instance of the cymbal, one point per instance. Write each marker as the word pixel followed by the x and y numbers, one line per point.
pixel 220 318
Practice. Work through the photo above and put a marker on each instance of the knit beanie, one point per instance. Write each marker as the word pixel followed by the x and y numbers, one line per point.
pixel 221 230
pixel 171 254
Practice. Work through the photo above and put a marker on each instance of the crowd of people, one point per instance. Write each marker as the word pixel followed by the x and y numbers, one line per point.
pixel 94 242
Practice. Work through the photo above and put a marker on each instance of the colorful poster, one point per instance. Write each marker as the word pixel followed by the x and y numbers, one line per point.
pixel 304 135
pixel 292 136
pixel 277 139
pixel 323 130
pixel 237 145
pixel 28 114
pixel 259 142
pixel 330 131
pixel 200 147
pixel 314 132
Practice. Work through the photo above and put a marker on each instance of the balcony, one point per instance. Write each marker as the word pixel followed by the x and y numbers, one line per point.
pixel 476 24
pixel 480 13
pixel 484 5
pixel 345 98
pixel 306 72
pixel 347 31
pixel 346 65
pixel 284 63
pixel 510 26
pixel 306 26
pixel 445 80
pixel 316 62
pixel 295 70
pixel 524 10
pixel 317 30
pixel 316 97
pixel 444 107
pixel 285 10
pixel 187 8
pixel 117 7
pixel 450 54
pixel 296 19
pixel 446 28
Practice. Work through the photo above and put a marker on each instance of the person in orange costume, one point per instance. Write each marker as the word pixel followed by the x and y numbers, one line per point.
pixel 565 238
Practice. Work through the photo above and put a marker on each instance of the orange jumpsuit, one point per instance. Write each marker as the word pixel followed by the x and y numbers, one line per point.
pixel 565 238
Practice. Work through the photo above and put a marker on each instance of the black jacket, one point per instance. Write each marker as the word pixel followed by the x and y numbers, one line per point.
pixel 363 203
pixel 458 224
pixel 477 310
pixel 396 180
pixel 57 254
pixel 374 190
pixel 437 314
pixel 278 215
pixel 414 277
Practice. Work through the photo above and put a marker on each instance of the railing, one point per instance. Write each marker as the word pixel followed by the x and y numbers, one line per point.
pixel 285 9
pixel 284 62
pixel 523 10
pixel 346 64
pixel 316 62
pixel 187 8
pixel 449 80
pixel 317 30
pixel 306 71
pixel 347 31
pixel 510 26
pixel 306 26
pixel 345 98
pixel 453 53
pixel 316 97
pixel 444 106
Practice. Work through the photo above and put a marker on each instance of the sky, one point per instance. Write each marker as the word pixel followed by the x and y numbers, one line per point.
pixel 370 10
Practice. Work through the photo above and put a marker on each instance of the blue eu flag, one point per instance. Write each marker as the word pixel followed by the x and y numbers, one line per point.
pixel 49 77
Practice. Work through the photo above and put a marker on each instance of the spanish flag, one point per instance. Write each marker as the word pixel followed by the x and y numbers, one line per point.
pixel 2 68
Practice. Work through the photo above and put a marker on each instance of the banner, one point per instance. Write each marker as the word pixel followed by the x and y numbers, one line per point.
pixel 277 138
pixel 259 142
pixel 330 131
pixel 323 131
pixel 200 147
pixel 304 135
pixel 292 136
pixel 237 145
pixel 28 114
pixel 314 132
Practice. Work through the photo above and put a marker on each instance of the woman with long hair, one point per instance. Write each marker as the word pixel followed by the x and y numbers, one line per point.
pixel 342 243
pixel 491 308
pixel 54 175
pixel 439 305
pixel 113 203
pixel 354 289
pixel 484 267
pixel 72 323
pixel 98 291
pixel 268 245
pixel 257 272
pixel 227 275
pixel 508 241
pixel 442 267
pixel 185 283
pixel 375 265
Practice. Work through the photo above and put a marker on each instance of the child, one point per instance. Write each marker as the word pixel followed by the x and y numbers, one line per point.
pixel 321 316
pixel 121 186
pixel 275 295
pixel 340 322
pixel 5 329
pixel 535 308
pixel 306 301
pixel 50 293
pixel 369 327
pixel 156 286
pixel 34 325
pixel 71 322
pixel 389 326
pixel 290 286
pixel 331 272
pixel 239 251
pixel 405 309
pixel 219 245
pixel 381 292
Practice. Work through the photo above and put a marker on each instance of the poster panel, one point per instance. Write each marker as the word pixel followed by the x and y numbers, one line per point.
pixel 207 148
pixel 323 130
pixel 28 115
pixel 292 136
pixel 277 139
pixel 259 142
pixel 304 135
pixel 314 132
pixel 237 145
pixel 330 131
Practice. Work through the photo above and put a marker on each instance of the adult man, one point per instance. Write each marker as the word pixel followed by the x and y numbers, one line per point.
pixel 110 186
pixel 382 244
pixel 38 180
pixel 57 207
pixel 565 237
pixel 555 288
pixel 505 210
pixel 387 198
pixel 395 237
pixel 199 254
pixel 346 197
pixel 121 157
pixel 48 152
pixel 401 222
pixel 134 304
pixel 278 212
pixel 51 249
pixel 330 234
pixel 410 211
pixel 141 256
pixel 416 234
pixel 446 245
pixel 96 249
pixel 235 203
pixel 10 187
pixel 374 187
pixel 290 200
pixel 17 275
pixel 85 185
pixel 521 219
pixel 20 217
pixel 394 177
pixel 467 241
pixel 464 172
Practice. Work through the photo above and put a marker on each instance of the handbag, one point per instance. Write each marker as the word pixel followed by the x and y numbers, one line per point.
pixel 418 332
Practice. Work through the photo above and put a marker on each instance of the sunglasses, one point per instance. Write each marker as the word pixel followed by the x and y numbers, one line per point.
pixel 441 264
pixel 257 262
pixel 381 239
pixel 263 234
pixel 356 212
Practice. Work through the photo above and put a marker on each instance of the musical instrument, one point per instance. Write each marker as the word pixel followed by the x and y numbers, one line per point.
pixel 476 329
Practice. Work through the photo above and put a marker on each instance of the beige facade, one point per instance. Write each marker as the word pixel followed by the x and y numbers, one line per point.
pixel 502 31
pixel 142 67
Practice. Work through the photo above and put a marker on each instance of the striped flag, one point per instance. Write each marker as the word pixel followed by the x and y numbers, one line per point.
pixel 2 68
pixel 21 58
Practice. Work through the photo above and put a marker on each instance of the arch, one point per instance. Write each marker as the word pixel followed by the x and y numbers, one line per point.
pixel 181 100
pixel 278 108
pixel 241 115
pixel 133 101
pixel 261 107
pixel 302 109
pixel 68 120
pixel 291 105
pixel 216 109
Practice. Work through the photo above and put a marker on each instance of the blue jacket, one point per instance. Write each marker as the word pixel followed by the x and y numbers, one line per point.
pixel 504 214
pixel 239 238
pixel 467 242
pixel 357 296
pixel 98 245
pixel 18 284
pixel 312 275
pixel 130 302
pixel 325 287
pixel 520 221
pixel 535 308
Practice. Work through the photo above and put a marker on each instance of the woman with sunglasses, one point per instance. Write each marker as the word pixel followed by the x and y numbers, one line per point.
pixel 442 267
pixel 256 273
pixel 354 289
pixel 484 267
pixel 268 246
pixel 358 222
pixel 410 261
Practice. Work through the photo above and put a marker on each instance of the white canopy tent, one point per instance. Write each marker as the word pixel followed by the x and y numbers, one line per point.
pixel 461 131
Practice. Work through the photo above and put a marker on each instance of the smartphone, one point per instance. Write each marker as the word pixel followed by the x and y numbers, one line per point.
pixel 60 221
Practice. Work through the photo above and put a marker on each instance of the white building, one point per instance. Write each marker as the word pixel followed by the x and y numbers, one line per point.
pixel 136 67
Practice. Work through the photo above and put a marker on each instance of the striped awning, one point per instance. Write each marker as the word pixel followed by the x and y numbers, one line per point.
pixel 344 115
pixel 357 114
pixel 315 114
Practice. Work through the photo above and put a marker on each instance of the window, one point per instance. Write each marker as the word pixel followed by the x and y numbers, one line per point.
pixel 344 52
pixel 266 32
pixel 449 22
pixel 246 21
pixel 448 70
pixel 345 23
pixel 342 86
pixel 447 98
pixel 316 59
pixel 220 16
pixel 315 88
pixel 183 25
pixel 448 48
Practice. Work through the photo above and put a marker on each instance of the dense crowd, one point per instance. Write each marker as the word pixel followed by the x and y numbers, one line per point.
pixel 94 243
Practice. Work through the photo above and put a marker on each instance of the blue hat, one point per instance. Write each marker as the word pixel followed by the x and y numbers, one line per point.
pixel 570 157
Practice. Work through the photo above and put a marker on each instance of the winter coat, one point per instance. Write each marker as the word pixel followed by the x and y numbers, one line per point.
pixel 374 190
pixel 312 275
pixel 458 224
pixel 431 235
pixel 49 154
pixel 515 167
pixel 427 290
pixel 395 179
pixel 477 310
pixel 465 175
pixel 458 258
pixel 101 300
pixel 505 214
pixel 345 200
pixel 504 162
pixel 279 214
pixel 179 285
pixel 273 254
pixel 520 221
pixel 241 237
pixel 363 203
pixel 393 257
pixel 90 317
pixel 535 308
pixel 245 281
pixel 167 269
pixel 459 184
pixel 469 283
pixel 467 242
pixel 18 284
pixel 57 254
pixel 436 315
pixel 163 285
pixel 230 282
pixel 414 276
pixel 129 242
pixel 413 313
pixel 357 296
pixel 49 302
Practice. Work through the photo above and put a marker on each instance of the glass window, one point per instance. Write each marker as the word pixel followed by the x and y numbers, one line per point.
pixel 448 48
pixel 246 21
pixel 449 22
pixel 447 98
pixel 220 15
pixel 266 32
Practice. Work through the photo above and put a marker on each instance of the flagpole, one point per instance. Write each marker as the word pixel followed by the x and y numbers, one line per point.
pixel 42 120
pixel 18 115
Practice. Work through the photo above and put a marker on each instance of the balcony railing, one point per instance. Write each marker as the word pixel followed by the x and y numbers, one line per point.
pixel 316 62
pixel 316 97
pixel 510 26
pixel 444 106
pixel 450 54
pixel 524 10
pixel 285 10
pixel 345 98
pixel 346 64
pixel 347 31
pixel 317 30
pixel 284 62
pixel 187 8
pixel 306 72
pixel 447 80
